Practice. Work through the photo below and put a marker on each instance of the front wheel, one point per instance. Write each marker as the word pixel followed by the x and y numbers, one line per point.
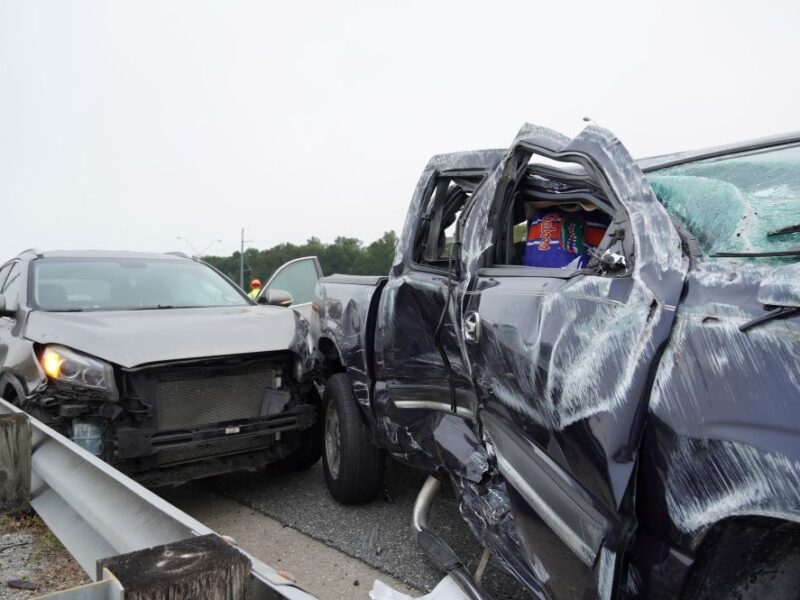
pixel 751 563
pixel 353 465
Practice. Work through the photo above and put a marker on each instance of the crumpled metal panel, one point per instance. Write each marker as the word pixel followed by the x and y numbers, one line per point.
pixel 723 435
pixel 730 400
pixel 165 335
pixel 576 364
pixel 781 287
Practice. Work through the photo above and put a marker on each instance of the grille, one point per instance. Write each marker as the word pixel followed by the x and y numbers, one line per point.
pixel 184 403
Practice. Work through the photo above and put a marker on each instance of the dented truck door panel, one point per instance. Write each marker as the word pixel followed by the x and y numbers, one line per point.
pixel 561 362
pixel 410 371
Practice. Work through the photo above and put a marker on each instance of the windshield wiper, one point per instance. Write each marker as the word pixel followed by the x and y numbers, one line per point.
pixel 784 230
pixel 781 312
pixel 793 252
pixel 159 307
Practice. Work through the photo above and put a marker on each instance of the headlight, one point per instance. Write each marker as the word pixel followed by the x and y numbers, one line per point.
pixel 63 364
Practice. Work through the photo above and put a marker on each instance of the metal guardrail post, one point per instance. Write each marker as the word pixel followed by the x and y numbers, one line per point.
pixel 98 512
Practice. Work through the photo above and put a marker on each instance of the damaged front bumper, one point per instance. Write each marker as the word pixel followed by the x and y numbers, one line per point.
pixel 180 421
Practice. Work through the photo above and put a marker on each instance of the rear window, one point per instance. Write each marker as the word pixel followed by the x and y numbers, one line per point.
pixel 731 203
pixel 63 284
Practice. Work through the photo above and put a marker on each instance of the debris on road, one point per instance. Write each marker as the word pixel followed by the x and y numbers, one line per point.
pixel 446 589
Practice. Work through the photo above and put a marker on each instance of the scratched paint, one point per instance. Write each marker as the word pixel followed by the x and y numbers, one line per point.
pixel 591 339
pixel 605 574
pixel 781 287
pixel 722 420
pixel 708 377
pixel 710 481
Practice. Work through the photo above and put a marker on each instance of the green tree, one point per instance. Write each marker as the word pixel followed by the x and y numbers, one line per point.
pixel 344 255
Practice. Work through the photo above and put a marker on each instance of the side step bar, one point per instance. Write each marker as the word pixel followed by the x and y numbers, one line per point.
pixel 437 550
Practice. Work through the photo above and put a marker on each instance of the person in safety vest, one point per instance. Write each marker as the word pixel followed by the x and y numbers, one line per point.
pixel 255 288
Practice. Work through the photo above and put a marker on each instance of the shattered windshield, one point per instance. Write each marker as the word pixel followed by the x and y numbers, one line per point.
pixel 77 284
pixel 731 203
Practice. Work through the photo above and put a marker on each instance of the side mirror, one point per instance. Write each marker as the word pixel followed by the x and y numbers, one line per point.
pixel 781 287
pixel 276 298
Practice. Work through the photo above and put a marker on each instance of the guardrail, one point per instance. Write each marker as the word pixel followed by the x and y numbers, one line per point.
pixel 97 512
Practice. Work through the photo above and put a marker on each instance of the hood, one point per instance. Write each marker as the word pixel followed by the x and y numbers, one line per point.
pixel 133 338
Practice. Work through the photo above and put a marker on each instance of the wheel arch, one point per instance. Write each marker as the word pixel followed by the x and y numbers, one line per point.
pixel 726 547
pixel 11 384
pixel 329 356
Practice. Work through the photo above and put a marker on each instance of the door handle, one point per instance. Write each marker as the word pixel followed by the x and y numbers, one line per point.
pixel 471 327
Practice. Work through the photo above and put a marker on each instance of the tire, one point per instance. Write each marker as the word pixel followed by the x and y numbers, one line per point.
pixel 307 454
pixel 309 451
pixel 353 465
pixel 751 563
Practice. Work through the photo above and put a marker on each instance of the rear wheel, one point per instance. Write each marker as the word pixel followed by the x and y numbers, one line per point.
pixel 353 464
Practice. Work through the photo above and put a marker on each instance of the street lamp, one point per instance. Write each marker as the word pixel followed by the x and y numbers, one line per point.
pixel 211 243
pixel 188 243
pixel 195 253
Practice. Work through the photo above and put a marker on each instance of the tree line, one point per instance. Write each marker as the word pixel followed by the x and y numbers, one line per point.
pixel 344 255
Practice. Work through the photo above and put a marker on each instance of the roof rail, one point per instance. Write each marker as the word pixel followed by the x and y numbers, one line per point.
pixel 35 251
pixel 176 253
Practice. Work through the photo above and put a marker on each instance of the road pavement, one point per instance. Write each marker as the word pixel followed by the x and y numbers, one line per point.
pixel 330 546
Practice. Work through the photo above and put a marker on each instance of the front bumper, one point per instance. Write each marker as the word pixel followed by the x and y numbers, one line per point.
pixel 141 448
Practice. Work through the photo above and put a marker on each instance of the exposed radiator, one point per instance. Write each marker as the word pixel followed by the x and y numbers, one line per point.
pixel 184 402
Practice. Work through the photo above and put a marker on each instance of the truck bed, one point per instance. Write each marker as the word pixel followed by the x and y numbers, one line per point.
pixel 345 323
pixel 343 279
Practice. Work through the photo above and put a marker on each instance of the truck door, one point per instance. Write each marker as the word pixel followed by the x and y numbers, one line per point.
pixel 412 377
pixel 561 356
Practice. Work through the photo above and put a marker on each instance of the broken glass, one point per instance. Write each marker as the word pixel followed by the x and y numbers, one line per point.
pixel 731 203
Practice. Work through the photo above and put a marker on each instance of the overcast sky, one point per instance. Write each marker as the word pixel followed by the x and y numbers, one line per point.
pixel 125 125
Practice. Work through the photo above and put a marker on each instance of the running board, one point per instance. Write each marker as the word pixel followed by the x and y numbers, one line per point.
pixel 435 548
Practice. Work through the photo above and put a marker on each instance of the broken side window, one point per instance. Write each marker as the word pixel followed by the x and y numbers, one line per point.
pixel 448 198
pixel 551 217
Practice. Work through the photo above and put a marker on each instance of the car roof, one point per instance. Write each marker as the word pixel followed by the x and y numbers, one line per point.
pixel 113 254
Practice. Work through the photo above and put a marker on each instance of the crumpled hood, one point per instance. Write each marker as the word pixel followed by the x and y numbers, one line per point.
pixel 133 338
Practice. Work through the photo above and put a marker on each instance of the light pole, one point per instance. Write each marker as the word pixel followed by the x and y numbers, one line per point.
pixel 241 258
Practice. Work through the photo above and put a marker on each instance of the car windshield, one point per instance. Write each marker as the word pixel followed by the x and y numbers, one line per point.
pixel 72 284
pixel 731 203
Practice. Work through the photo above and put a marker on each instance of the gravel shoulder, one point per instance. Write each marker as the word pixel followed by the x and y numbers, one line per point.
pixel 32 557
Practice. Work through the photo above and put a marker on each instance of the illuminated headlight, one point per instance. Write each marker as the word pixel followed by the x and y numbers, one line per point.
pixel 63 364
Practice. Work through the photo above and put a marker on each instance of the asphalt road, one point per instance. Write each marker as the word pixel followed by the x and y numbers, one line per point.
pixel 378 534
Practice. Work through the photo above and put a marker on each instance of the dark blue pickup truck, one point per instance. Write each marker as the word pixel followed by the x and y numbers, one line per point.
pixel 600 355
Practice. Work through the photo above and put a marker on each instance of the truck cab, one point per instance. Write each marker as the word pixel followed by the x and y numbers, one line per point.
pixel 578 348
